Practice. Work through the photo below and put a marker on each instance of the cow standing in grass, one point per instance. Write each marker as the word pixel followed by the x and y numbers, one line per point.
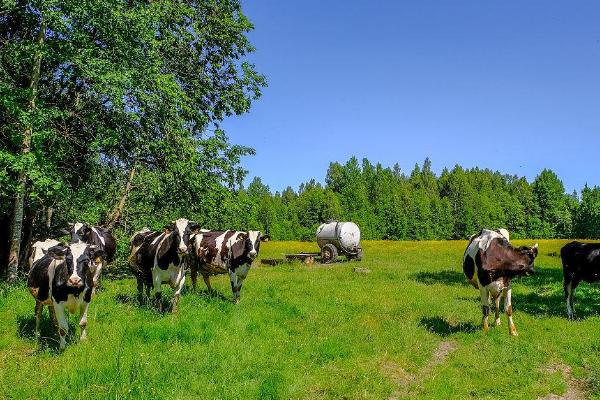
pixel 490 262
pixel 581 262
pixel 224 252
pixel 62 279
pixel 96 236
pixel 159 257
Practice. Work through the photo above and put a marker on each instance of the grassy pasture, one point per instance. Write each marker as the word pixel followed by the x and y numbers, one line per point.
pixel 408 329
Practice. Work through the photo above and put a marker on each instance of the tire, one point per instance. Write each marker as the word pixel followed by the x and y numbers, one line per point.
pixel 328 254
pixel 359 255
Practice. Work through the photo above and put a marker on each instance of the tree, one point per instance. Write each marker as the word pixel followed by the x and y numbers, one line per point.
pixel 137 86
pixel 553 205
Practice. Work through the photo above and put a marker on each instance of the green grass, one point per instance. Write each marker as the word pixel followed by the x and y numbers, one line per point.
pixel 408 329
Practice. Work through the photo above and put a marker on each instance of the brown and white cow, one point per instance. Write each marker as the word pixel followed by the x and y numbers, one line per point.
pixel 158 257
pixel 490 262
pixel 101 238
pixel 62 279
pixel 224 252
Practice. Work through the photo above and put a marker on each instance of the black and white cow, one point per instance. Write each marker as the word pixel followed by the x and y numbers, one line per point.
pixel 224 252
pixel 159 257
pixel 62 279
pixel 489 263
pixel 96 236
pixel 581 262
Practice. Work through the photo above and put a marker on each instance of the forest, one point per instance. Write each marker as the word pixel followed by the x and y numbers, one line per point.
pixel 111 112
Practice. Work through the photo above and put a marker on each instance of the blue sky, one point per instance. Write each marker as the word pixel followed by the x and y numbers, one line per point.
pixel 511 86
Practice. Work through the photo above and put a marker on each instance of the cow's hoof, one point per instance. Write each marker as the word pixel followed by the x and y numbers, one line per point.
pixel 236 301
pixel 497 322
pixel 513 331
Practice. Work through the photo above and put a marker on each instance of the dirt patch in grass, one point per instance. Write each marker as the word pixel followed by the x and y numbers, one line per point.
pixel 404 380
pixel 575 387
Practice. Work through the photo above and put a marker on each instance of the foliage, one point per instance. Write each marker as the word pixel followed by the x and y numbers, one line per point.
pixel 130 92
pixel 388 204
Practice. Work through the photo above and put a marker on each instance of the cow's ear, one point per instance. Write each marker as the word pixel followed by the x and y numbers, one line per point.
pixel 237 249
pixel 58 252
pixel 194 227
pixel 534 249
pixel 241 236
pixel 98 255
pixel 167 229
pixel 265 238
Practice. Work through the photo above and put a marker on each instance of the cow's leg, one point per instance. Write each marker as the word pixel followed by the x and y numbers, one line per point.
pixel 140 289
pixel 178 289
pixel 39 307
pixel 194 276
pixel 207 282
pixel 497 300
pixel 53 315
pixel 63 324
pixel 485 307
pixel 512 329
pixel 569 294
pixel 157 288
pixel 83 310
pixel 96 278
pixel 235 289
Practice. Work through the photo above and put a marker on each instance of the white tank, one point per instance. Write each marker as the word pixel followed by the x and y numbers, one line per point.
pixel 342 234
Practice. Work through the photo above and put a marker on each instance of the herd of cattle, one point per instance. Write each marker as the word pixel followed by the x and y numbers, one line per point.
pixel 64 276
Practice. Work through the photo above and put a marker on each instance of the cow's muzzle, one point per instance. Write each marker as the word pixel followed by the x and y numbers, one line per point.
pixel 75 282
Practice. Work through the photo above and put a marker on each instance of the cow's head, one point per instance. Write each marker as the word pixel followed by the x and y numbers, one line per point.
pixel 503 259
pixel 527 258
pixel 82 260
pixel 181 230
pixel 80 232
pixel 247 243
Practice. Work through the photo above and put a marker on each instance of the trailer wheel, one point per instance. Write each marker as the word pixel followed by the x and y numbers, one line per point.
pixel 328 254
pixel 359 255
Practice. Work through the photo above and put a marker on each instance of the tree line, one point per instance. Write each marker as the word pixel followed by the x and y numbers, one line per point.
pixel 389 204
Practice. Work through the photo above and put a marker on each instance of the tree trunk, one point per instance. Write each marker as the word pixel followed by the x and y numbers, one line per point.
pixel 117 212
pixel 19 204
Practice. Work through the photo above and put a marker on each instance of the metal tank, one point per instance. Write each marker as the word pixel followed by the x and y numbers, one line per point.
pixel 339 238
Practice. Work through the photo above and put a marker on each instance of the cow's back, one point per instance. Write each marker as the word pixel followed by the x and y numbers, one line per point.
pixel 211 251
pixel 478 243
pixel 581 258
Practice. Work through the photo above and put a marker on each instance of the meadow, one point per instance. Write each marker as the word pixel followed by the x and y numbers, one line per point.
pixel 408 329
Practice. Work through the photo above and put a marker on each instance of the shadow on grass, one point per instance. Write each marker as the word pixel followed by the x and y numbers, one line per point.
pixel 48 332
pixel 210 294
pixel 547 296
pixel 165 306
pixel 445 277
pixel 444 327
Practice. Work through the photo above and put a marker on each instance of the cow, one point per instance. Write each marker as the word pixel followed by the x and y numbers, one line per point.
pixel 224 252
pixel 581 262
pixel 39 248
pixel 62 279
pixel 158 257
pixel 94 235
pixel 489 263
